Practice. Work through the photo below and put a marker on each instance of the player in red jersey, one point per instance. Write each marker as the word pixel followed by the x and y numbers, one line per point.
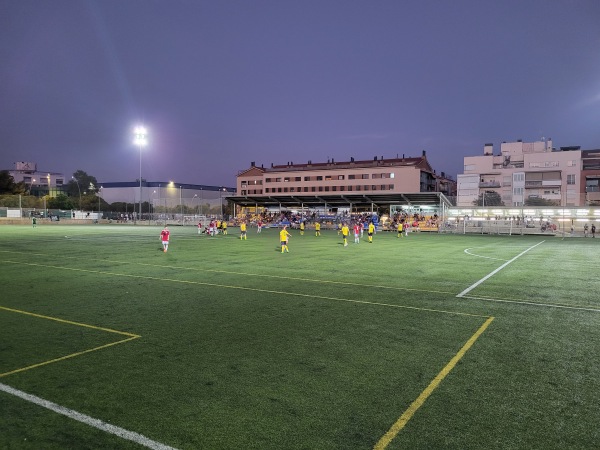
pixel 164 237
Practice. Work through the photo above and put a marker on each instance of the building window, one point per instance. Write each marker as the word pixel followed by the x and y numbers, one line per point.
pixel 298 179
pixel 243 192
pixel 572 163
pixel 320 188
pixel 340 177
pixel 365 176
pixel 278 179
pixel 351 177
pixel 327 177
pixel 286 179
pixel 326 188
pixel 59 182
pixel 268 180
pixel 571 179
pixel 306 178
pixel 312 189
pixel 319 178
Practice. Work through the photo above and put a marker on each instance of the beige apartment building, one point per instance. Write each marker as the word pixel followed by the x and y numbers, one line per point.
pixel 377 176
pixel 524 173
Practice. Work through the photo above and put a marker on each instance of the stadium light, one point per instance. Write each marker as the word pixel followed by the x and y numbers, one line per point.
pixel 141 140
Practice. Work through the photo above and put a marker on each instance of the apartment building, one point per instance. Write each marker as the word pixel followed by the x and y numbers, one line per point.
pixel 377 176
pixel 524 173
pixel 38 182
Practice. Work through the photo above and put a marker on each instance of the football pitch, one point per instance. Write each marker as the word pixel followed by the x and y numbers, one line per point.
pixel 421 342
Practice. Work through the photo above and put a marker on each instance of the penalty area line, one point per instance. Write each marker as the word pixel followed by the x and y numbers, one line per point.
pixel 83 418
pixel 489 275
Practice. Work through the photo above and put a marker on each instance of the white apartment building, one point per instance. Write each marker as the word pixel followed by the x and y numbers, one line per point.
pixel 37 182
pixel 522 174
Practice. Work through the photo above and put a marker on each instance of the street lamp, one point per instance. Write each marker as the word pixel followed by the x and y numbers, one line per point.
pixel 181 203
pixel 200 201
pixel 141 140
pixel 99 191
pixel 79 190
pixel 31 185
pixel 195 209
pixel 154 205
pixel 221 198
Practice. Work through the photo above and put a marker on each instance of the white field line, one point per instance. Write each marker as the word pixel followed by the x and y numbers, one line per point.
pixel 489 275
pixel 481 256
pixel 96 423
pixel 522 302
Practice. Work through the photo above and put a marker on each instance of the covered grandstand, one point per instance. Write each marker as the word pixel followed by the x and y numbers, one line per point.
pixel 433 201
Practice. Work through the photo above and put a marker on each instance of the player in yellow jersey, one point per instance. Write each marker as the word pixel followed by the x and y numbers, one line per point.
pixel 400 227
pixel 339 228
pixel 283 237
pixel 302 228
pixel 224 227
pixel 317 229
pixel 345 232
pixel 243 231
pixel 371 232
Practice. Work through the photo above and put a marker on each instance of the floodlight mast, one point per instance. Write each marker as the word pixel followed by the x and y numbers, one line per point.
pixel 141 140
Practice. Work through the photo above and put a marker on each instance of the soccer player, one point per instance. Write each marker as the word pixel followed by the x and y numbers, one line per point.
pixel 339 228
pixel 199 227
pixel 283 237
pixel 370 232
pixel 345 232
pixel 259 226
pixel 243 231
pixel 317 229
pixel 400 226
pixel 302 228
pixel 357 231
pixel 164 237
pixel 224 227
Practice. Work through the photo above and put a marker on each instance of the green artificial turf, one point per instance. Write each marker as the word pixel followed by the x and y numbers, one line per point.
pixel 222 343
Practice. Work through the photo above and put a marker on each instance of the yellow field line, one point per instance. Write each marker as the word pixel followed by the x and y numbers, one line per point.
pixel 412 409
pixel 69 322
pixel 72 355
pixel 201 283
pixel 56 319
pixel 196 269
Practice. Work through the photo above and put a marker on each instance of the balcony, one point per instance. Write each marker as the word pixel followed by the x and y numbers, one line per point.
pixel 489 184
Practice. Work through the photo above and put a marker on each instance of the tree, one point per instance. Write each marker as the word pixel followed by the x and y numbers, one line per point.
pixel 492 198
pixel 538 201
pixel 7 183
pixel 61 201
pixel 80 183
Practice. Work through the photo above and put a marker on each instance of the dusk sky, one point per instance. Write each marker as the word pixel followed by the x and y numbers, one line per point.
pixel 222 83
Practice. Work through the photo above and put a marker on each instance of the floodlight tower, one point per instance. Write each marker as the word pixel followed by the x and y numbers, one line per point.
pixel 141 140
